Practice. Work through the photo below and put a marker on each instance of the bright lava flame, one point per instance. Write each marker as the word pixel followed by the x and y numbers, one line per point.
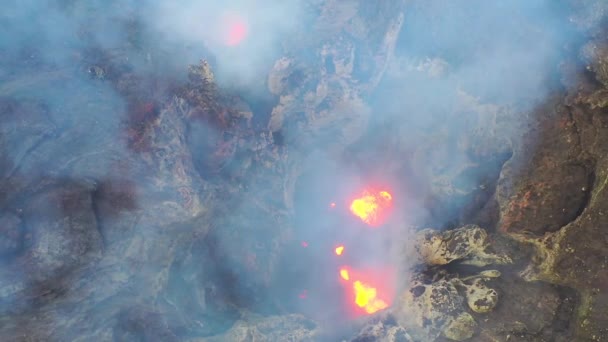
pixel 365 297
pixel 372 207
pixel 369 291
pixel 344 274
pixel 339 250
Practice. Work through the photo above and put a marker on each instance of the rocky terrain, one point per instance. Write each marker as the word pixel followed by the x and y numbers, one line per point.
pixel 145 206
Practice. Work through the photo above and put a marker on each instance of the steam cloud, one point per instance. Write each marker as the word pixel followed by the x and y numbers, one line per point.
pixel 462 70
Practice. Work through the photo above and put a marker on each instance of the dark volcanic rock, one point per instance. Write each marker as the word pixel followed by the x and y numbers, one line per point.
pixel 534 190
pixel 530 309
pixel 129 211
pixel 382 333
pixel 62 233
pixel 557 192
pixel 268 329
pixel 11 234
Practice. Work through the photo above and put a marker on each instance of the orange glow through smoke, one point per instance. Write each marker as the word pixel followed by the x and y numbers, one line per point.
pixel 372 207
pixel 235 29
pixel 339 250
pixel 368 291
pixel 366 298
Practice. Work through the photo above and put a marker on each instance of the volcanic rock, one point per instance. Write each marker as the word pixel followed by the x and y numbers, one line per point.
pixel 133 209
pixel 277 328
pixel 12 234
pixel 556 205
pixel 466 244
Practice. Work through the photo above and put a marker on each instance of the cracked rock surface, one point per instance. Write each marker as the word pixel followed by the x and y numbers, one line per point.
pixel 138 208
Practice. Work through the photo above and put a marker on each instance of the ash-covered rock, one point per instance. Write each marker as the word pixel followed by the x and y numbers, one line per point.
pixel 274 328
pixel 383 331
pixel 320 102
pixel 12 233
pixel 437 302
pixel 62 231
pixel 170 236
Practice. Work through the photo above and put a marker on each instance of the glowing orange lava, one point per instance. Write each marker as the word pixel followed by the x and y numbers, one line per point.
pixel 339 250
pixel 372 207
pixel 344 274
pixel 366 298
pixel 368 291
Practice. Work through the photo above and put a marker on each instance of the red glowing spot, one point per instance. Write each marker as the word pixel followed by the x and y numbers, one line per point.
pixel 304 244
pixel 372 207
pixel 339 250
pixel 332 205
pixel 148 107
pixel 303 294
pixel 235 29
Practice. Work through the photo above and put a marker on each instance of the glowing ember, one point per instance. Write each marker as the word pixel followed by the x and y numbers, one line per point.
pixel 303 294
pixel 235 28
pixel 344 274
pixel 304 244
pixel 339 250
pixel 372 207
pixel 332 205
pixel 366 298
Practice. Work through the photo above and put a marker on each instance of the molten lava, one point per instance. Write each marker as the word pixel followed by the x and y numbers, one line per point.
pixel 372 207
pixel 369 291
pixel 366 298
pixel 339 250
pixel 344 274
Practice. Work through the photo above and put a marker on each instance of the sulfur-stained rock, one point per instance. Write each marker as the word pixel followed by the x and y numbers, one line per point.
pixel 428 306
pixel 434 305
pixel 467 244
pixel 480 298
pixel 462 328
